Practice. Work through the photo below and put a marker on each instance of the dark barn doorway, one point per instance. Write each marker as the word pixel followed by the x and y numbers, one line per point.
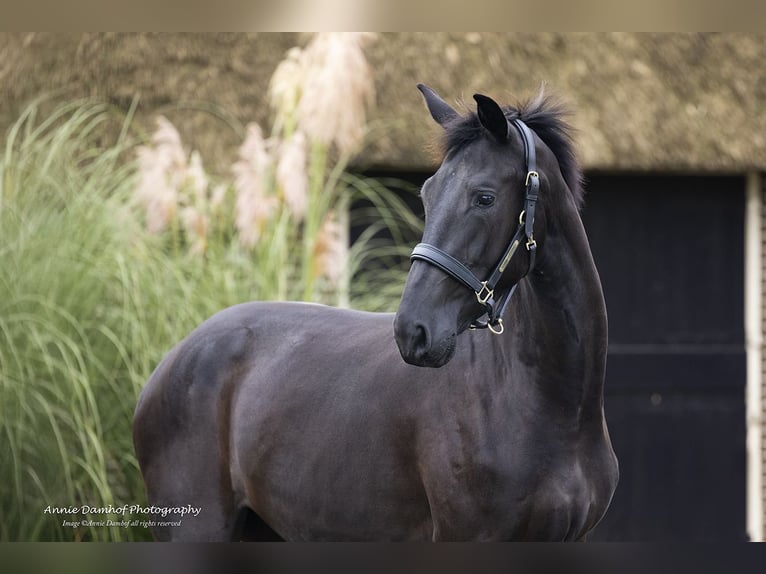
pixel 670 251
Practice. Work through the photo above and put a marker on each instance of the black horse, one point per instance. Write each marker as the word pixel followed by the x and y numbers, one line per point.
pixel 303 422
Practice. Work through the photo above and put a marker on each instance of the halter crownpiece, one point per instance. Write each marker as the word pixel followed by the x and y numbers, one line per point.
pixel 485 290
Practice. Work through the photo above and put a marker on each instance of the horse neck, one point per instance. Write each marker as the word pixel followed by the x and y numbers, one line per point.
pixel 559 321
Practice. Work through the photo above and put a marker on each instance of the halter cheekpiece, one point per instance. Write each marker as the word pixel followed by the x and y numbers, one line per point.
pixel 485 290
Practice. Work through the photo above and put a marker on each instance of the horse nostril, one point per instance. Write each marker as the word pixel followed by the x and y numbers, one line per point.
pixel 414 340
pixel 421 340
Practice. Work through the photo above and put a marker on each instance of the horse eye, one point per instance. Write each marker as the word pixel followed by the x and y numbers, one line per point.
pixel 485 199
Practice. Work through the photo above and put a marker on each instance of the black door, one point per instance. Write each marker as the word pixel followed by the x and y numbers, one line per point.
pixel 670 251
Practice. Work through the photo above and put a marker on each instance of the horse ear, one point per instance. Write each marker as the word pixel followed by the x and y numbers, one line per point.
pixel 492 117
pixel 440 110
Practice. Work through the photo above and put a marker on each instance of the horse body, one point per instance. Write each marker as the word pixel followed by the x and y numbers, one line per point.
pixel 307 415
pixel 362 447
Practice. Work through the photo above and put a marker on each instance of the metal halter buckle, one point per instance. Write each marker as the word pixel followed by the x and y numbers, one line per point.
pixel 531 243
pixel 531 174
pixel 484 294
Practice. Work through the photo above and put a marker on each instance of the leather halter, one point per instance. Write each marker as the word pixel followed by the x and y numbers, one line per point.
pixel 485 290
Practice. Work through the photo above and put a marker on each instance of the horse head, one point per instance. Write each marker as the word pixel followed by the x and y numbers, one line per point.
pixel 481 221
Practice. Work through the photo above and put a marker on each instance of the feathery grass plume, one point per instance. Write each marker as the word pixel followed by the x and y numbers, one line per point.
pixel 292 176
pixel 161 169
pixel 285 90
pixel 196 224
pixel 337 88
pixel 256 203
pixel 331 250
pixel 195 205
pixel 196 179
pixel 171 187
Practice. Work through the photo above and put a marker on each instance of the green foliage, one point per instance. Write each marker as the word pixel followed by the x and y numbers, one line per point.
pixel 90 301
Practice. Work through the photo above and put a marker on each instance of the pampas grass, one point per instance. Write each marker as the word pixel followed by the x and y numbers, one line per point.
pixel 111 253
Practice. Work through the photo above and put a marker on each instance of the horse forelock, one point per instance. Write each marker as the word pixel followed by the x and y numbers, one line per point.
pixel 546 117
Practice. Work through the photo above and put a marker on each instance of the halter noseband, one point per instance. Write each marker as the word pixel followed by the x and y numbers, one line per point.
pixel 485 290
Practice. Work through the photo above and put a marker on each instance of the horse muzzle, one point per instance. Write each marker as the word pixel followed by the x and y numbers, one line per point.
pixel 423 345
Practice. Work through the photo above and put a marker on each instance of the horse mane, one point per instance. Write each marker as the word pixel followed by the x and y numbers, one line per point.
pixel 545 116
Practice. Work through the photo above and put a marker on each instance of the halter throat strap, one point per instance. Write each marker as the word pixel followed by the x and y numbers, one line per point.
pixel 485 290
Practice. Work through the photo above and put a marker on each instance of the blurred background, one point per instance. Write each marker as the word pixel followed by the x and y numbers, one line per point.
pixel 149 180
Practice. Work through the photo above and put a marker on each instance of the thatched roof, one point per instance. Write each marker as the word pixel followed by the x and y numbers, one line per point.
pixel 671 102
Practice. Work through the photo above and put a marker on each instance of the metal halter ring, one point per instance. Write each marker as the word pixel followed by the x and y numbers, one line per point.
pixel 500 328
